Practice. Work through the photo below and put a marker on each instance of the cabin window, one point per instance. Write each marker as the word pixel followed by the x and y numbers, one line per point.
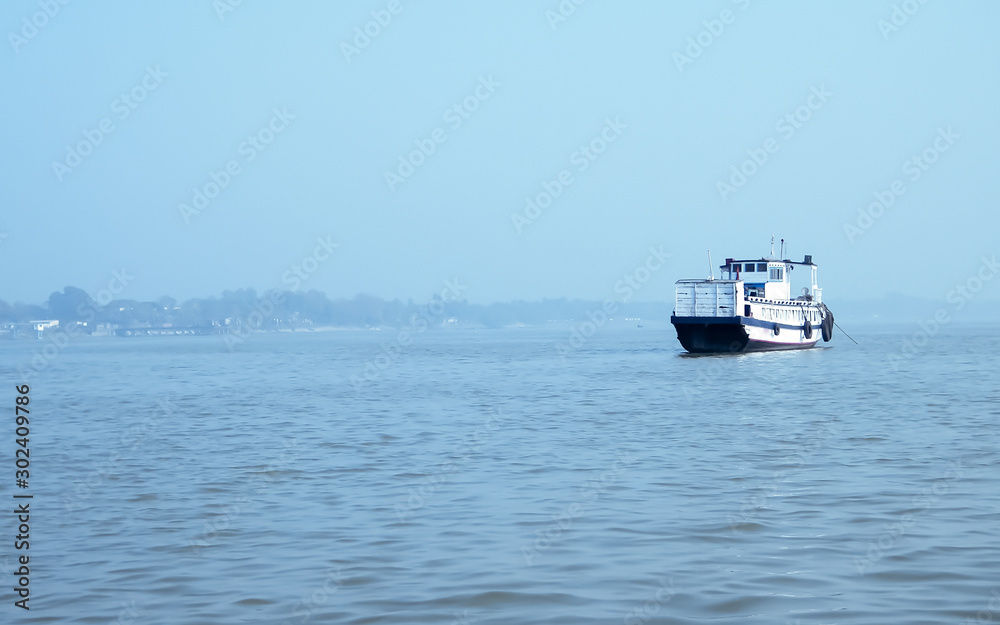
pixel 761 266
pixel 776 273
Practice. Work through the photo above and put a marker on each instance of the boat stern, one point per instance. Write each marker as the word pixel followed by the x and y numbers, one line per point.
pixel 707 335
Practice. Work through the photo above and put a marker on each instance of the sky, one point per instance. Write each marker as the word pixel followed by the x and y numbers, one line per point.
pixel 523 149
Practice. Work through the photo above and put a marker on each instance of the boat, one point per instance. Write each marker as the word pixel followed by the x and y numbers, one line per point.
pixel 751 309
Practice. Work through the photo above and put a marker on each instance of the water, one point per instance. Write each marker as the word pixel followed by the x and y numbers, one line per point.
pixel 481 477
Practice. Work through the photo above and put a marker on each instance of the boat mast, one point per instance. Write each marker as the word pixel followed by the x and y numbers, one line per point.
pixel 711 269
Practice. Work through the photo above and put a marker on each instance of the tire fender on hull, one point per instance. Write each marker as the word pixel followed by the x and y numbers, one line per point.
pixel 827 326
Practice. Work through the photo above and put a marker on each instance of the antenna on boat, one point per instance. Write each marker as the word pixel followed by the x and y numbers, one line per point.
pixel 772 246
pixel 711 268
pixel 782 254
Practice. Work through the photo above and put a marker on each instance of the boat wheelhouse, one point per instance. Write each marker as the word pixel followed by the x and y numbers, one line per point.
pixel 751 309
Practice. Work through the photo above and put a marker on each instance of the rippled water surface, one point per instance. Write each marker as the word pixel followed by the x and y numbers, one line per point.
pixel 483 477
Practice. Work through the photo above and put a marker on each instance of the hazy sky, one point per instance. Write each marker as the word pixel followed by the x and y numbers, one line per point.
pixel 623 121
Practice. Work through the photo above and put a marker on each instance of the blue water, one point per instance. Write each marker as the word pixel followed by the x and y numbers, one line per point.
pixel 492 477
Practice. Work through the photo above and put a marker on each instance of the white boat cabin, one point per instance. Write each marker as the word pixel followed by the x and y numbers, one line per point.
pixel 770 279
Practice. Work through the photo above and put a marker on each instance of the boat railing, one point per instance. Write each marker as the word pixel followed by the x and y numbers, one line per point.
pixel 781 302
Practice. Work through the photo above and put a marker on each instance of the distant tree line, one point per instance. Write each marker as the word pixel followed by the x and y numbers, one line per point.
pixel 297 309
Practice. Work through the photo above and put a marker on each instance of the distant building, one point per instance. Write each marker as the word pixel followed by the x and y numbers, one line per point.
pixel 41 326
pixel 105 329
